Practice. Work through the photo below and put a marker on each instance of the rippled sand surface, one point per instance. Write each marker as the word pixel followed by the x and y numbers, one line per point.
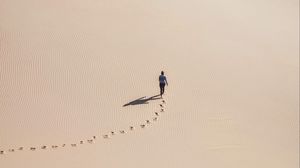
pixel 79 84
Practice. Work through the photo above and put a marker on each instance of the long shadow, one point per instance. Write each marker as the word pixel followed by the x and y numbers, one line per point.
pixel 142 100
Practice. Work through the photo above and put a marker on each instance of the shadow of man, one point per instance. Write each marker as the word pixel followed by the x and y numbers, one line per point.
pixel 142 100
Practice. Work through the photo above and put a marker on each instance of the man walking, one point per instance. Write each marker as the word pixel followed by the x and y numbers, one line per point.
pixel 162 82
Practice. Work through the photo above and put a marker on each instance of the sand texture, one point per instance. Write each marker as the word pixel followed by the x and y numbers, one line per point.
pixel 79 84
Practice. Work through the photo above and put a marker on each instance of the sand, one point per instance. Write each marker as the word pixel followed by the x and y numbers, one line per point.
pixel 67 68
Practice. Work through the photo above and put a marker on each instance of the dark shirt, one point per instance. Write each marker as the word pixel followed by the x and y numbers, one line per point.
pixel 162 79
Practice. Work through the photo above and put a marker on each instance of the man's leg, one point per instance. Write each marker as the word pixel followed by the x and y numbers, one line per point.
pixel 161 89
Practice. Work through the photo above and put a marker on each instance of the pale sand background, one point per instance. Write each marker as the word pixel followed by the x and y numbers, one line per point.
pixel 67 67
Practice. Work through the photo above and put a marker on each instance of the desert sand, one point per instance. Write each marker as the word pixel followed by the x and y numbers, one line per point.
pixel 77 80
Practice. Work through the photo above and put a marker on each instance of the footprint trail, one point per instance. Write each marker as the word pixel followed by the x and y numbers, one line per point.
pixel 93 139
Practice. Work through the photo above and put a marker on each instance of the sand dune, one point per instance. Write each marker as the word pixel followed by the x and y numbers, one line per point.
pixel 79 79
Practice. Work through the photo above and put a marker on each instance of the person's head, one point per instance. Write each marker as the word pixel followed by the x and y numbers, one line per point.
pixel 162 73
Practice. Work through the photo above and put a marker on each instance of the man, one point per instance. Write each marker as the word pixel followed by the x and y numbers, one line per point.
pixel 162 82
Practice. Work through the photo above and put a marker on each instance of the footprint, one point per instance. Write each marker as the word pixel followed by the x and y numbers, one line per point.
pixel 11 150
pixel 147 121
pixel 81 142
pixel 163 101
pixel 156 113
pixel 105 136
pixel 2 152
pixel 73 145
pixel 44 147
pixel 162 110
pixel 63 145
pixel 122 132
pixel 131 128
pixel 161 106
pixel 112 133
pixel 143 126
pixel 20 148
pixel 94 137
pixel 54 146
pixel 32 148
pixel 155 119
pixel 90 141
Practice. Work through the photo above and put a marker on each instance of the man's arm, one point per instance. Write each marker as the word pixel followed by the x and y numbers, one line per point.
pixel 166 81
